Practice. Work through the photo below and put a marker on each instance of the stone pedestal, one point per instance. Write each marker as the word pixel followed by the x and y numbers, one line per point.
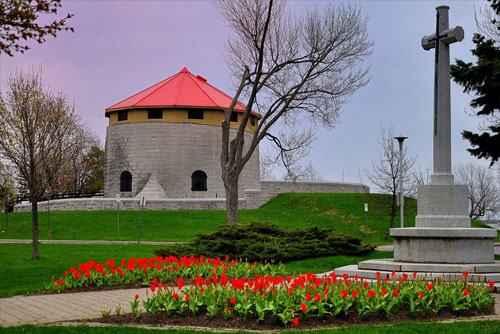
pixel 444 245
pixel 442 206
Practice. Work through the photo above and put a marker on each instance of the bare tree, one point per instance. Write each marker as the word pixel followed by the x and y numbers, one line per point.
pixel 385 172
pixel 36 131
pixel 7 189
pixel 418 177
pixel 290 149
pixel 489 22
pixel 483 188
pixel 290 68
pixel 79 168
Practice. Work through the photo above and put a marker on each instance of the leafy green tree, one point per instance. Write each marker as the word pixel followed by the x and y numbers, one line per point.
pixel 19 21
pixel 7 190
pixel 94 160
pixel 483 80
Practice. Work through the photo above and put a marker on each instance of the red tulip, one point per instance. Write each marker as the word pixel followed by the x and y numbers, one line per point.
pixel 429 286
pixel 465 274
pixel 343 293
pixel 354 293
pixel 308 296
pixel 317 297
pixel 296 321
pixel 136 296
pixel 303 307
pixel 371 294
pixel 420 295
pixel 465 292
pixel 232 300
pixel 396 293
pixel 383 292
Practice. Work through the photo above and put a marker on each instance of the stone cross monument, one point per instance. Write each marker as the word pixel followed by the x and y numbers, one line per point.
pixel 442 241
pixel 442 108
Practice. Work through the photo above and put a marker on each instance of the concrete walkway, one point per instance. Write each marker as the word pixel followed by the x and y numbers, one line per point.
pixel 70 307
pixel 88 242
pixel 47 309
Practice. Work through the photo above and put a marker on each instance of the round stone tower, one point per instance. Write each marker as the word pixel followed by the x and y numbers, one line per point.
pixel 165 141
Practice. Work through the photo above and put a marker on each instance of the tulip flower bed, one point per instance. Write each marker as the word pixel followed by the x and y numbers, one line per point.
pixel 134 272
pixel 307 298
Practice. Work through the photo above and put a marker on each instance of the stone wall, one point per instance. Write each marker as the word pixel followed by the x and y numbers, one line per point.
pixel 254 198
pixel 172 152
pixel 95 204
pixel 269 189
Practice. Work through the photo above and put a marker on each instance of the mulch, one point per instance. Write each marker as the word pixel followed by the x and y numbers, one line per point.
pixel 237 322
pixel 136 285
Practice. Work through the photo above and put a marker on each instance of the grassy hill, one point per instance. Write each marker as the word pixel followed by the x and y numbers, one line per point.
pixel 342 213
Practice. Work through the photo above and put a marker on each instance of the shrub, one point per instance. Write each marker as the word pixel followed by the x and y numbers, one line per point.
pixel 259 241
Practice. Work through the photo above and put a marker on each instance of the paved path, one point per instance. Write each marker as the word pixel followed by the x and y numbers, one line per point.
pixel 88 242
pixel 46 309
pixel 69 307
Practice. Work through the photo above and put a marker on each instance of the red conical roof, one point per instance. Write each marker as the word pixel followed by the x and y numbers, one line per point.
pixel 183 89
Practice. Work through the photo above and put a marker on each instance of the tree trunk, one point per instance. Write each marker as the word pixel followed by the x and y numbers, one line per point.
pixel 232 200
pixel 7 215
pixel 34 220
pixel 393 210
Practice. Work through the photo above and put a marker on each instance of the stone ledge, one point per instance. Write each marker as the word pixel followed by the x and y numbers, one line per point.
pixel 390 265
pixel 440 233
pixel 353 269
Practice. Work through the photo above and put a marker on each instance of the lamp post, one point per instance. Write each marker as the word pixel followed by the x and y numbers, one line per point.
pixel 400 140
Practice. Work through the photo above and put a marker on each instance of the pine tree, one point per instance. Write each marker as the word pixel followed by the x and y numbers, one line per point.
pixel 483 80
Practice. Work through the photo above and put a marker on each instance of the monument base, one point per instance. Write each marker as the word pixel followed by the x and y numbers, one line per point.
pixel 442 206
pixel 385 267
pixel 444 245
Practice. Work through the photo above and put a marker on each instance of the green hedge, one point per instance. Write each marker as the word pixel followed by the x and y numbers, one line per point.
pixel 257 241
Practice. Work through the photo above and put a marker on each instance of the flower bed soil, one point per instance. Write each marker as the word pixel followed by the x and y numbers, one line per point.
pixel 237 322
pixel 136 285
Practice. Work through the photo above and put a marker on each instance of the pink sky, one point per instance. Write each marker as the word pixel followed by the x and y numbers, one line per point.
pixel 122 47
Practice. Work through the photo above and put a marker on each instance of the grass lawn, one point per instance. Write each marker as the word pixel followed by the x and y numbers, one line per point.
pixel 20 274
pixel 463 327
pixel 343 213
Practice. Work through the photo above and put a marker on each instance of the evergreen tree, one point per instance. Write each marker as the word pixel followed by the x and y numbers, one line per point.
pixel 483 80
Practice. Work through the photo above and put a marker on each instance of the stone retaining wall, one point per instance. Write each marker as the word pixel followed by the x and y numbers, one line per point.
pixel 269 189
pixel 254 198
pixel 95 204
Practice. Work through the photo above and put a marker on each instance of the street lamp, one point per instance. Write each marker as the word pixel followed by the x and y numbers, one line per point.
pixel 400 140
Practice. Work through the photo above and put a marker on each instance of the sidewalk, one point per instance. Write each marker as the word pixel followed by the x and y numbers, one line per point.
pixel 69 307
pixel 47 309
pixel 88 242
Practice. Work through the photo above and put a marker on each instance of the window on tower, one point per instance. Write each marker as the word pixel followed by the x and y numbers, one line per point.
pixel 234 116
pixel 122 115
pixel 199 181
pixel 155 114
pixel 195 114
pixel 126 181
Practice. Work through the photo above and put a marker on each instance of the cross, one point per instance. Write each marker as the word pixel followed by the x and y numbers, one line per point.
pixel 441 40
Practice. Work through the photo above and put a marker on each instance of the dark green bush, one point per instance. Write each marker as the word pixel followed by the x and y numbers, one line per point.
pixel 259 241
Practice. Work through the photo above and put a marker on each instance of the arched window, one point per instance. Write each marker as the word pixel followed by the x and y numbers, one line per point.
pixel 199 181
pixel 126 181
